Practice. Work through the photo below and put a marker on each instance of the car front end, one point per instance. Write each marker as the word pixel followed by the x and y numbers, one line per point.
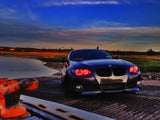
pixel 90 77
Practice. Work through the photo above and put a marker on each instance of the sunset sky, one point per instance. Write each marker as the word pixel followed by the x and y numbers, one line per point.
pixel 110 24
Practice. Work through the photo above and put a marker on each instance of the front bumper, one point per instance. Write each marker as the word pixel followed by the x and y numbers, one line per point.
pixel 111 91
pixel 92 85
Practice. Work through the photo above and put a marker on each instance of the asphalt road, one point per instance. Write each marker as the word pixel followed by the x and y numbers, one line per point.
pixel 144 105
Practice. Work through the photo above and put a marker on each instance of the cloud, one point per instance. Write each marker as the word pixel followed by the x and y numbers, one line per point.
pixel 31 15
pixel 78 2
pixel 123 38
pixel 20 11
pixel 7 13
pixel 103 23
pixel 49 3
pixel 140 1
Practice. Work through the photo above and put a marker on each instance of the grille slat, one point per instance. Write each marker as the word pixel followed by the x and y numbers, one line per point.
pixel 107 71
pixel 119 71
pixel 104 72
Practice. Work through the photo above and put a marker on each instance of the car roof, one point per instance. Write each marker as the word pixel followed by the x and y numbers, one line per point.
pixel 85 50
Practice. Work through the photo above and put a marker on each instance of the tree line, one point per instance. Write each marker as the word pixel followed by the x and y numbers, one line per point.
pixel 118 52
pixel 148 52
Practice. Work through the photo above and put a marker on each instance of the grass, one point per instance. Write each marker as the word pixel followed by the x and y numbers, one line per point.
pixel 43 56
pixel 145 64
pixel 53 59
pixel 46 55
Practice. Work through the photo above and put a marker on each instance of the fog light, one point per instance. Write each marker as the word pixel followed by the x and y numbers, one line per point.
pixel 79 87
pixel 139 82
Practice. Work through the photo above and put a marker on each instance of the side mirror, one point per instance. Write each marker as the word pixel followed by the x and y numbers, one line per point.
pixel 116 57
pixel 63 60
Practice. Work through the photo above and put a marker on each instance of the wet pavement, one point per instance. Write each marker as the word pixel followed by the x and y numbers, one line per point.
pixel 144 105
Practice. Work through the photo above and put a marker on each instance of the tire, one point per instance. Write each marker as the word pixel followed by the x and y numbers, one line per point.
pixel 130 92
pixel 133 92
pixel 62 81
pixel 68 87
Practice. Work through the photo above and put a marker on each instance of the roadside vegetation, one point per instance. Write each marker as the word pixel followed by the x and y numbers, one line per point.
pixel 145 64
pixel 148 61
pixel 44 56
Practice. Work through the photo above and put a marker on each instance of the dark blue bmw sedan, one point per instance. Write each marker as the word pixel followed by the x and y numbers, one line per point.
pixel 93 71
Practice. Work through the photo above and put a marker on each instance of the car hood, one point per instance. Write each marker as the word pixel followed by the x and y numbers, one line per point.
pixel 106 62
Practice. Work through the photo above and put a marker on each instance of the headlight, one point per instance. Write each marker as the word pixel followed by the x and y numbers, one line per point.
pixel 82 72
pixel 133 69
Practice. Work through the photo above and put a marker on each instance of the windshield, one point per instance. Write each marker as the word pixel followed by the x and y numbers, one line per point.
pixel 89 54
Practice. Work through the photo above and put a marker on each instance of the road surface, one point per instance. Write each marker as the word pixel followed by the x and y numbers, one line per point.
pixel 144 105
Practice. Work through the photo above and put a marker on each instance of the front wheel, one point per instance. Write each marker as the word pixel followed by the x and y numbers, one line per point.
pixel 68 87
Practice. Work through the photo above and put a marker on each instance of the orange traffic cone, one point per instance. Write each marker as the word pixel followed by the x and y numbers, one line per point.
pixel 10 91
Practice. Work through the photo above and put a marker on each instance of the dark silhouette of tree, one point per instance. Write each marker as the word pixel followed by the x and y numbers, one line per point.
pixel 150 52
